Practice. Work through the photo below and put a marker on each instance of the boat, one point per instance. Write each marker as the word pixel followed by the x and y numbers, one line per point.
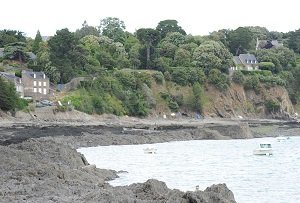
pixel 264 149
pixel 150 150
pixel 281 139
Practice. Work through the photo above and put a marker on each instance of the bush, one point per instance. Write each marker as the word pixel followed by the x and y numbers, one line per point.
pixel 158 77
pixel 238 77
pixel 180 76
pixel 267 66
pixel 252 82
pixel 272 106
pixel 218 79
pixel 173 106
pixel 167 76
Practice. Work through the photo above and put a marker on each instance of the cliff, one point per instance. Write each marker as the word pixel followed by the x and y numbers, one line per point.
pixel 238 102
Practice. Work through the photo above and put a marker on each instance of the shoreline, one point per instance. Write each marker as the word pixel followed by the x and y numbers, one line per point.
pixel 43 158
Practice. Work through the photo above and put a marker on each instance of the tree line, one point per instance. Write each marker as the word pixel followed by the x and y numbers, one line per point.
pixel 185 59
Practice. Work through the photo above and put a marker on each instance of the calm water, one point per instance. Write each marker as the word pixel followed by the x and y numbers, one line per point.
pixel 183 165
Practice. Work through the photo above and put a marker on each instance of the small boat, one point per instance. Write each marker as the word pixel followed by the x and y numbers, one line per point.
pixel 150 150
pixel 281 139
pixel 264 149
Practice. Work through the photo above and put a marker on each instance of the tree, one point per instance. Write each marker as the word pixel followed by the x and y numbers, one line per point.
pixel 182 58
pixel 240 40
pixel 11 36
pixel 8 95
pixel 86 30
pixel 36 42
pixel 210 55
pixel 113 28
pixel 16 51
pixel 198 95
pixel 294 41
pixel 149 37
pixel 166 26
pixel 65 54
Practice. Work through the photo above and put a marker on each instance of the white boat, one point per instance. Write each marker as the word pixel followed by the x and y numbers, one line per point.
pixel 150 150
pixel 281 139
pixel 264 149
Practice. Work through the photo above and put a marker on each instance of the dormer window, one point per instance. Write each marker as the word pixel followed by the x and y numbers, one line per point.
pixel 34 75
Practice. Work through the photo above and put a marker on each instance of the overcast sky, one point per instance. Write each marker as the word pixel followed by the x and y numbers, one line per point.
pixel 196 17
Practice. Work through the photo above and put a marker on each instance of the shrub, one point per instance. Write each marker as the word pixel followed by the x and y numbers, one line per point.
pixel 252 82
pixel 238 77
pixel 218 79
pixel 198 95
pixel 267 66
pixel 158 77
pixel 180 76
pixel 173 106
pixel 167 76
pixel 272 106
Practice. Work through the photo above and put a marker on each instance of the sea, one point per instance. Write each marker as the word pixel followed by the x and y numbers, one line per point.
pixel 186 164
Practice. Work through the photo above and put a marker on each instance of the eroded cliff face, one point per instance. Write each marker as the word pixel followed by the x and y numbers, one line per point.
pixel 238 102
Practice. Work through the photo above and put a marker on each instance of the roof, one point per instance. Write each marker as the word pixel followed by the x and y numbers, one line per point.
pixel 267 44
pixel 38 75
pixel 10 77
pixel 244 57
pixel 237 60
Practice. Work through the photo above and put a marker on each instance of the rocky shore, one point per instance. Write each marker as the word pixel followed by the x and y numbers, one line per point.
pixel 39 161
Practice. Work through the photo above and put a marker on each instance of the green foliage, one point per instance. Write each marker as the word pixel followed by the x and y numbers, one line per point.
pixel 252 82
pixel 86 30
pixel 180 76
pixel 113 28
pixel 171 101
pixel 36 42
pixel 240 40
pixel 166 26
pixel 158 77
pixel 238 77
pixel 272 106
pixel 9 99
pixel 168 76
pixel 11 36
pixel 218 79
pixel 198 95
pixel 267 66
pixel 212 55
pixel 16 51
pixel 18 73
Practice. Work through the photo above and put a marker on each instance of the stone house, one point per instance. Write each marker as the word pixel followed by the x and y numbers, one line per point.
pixel 36 84
pixel 16 81
pixel 244 62
pixel 267 44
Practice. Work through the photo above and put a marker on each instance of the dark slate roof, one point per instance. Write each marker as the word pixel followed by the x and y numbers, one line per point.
pixel 244 57
pixel 237 60
pixel 10 77
pixel 267 44
pixel 39 75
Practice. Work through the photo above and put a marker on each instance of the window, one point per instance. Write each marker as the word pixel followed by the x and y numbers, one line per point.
pixel 40 90
pixel 40 83
pixel 34 89
pixel 45 84
pixel 34 83
pixel 45 91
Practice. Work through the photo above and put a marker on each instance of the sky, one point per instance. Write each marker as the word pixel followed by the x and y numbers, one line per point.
pixel 196 17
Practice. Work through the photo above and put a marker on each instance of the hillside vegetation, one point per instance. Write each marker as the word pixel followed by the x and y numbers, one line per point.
pixel 162 70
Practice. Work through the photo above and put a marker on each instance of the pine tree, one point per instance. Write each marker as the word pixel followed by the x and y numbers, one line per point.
pixel 36 42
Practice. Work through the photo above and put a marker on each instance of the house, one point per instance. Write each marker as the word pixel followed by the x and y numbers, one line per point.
pixel 36 84
pixel 244 62
pixel 16 81
pixel 267 44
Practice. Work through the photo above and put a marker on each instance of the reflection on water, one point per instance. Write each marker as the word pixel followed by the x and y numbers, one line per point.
pixel 185 164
